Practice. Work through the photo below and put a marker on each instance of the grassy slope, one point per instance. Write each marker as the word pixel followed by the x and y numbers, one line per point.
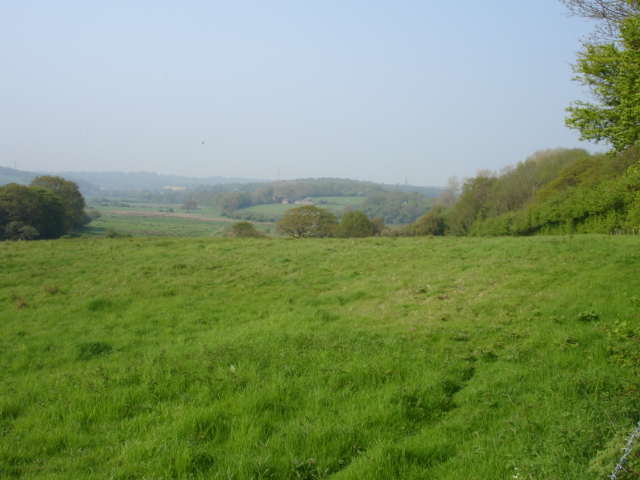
pixel 377 358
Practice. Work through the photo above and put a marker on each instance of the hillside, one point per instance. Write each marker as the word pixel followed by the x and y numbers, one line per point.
pixel 386 358
pixel 11 175
pixel 553 192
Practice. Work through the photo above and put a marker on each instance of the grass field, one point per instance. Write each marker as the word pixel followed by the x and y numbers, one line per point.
pixel 147 220
pixel 379 358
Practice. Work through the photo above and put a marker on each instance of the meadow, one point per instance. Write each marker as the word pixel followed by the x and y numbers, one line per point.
pixel 142 220
pixel 377 358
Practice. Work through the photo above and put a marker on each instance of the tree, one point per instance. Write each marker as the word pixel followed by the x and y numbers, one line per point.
pixel 69 193
pixel 189 205
pixel 355 224
pixel 450 195
pixel 308 221
pixel 472 204
pixel 608 13
pixel 34 207
pixel 378 225
pixel 243 230
pixel 431 223
pixel 19 231
pixel 612 72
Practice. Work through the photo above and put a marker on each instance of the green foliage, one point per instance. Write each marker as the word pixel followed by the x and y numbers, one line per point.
pixel 355 224
pixel 431 223
pixel 471 206
pixel 396 207
pixel 612 73
pixel 378 225
pixel 308 221
pixel 189 205
pixel 69 192
pixel 19 231
pixel 243 230
pixel 34 207
pixel 590 194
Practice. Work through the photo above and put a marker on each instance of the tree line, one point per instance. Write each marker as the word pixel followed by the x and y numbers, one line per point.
pixel 555 191
pixel 47 208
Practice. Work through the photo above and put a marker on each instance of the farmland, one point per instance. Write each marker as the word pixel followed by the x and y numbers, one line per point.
pixel 148 220
pixel 390 358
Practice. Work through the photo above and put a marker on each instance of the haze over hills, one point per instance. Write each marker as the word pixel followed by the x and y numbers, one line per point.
pixel 92 183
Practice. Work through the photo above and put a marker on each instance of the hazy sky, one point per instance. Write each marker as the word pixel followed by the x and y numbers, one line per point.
pixel 368 90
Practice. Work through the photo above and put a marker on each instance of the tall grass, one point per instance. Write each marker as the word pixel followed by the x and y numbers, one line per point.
pixel 351 359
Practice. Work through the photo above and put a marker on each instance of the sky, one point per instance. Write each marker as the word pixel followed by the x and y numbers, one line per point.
pixel 385 91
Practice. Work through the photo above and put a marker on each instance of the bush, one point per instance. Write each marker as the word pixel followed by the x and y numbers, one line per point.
pixel 19 231
pixel 243 230
pixel 355 224
pixel 308 221
pixel 431 223
pixel 112 233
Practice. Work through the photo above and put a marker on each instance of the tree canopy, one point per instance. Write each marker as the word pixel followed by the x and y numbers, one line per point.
pixel 612 73
pixel 243 230
pixel 69 193
pixel 607 13
pixel 308 221
pixel 355 224
pixel 189 205
pixel 34 207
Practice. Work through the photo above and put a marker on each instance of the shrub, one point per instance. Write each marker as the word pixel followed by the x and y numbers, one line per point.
pixel 19 231
pixel 243 230
pixel 112 233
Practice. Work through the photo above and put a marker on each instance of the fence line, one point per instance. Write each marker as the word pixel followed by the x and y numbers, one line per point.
pixel 627 451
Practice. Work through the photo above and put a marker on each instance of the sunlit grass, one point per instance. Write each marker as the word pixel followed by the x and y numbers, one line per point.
pixel 274 358
pixel 148 221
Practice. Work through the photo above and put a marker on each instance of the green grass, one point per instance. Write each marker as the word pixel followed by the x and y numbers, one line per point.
pixel 146 220
pixel 379 358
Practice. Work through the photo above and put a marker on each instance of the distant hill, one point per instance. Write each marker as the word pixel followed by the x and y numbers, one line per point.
pixel 91 183
pixel 146 180
pixel 11 175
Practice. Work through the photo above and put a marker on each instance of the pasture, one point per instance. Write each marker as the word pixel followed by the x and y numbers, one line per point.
pixel 377 358
pixel 141 220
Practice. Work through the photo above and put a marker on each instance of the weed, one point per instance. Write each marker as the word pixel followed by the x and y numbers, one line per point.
pixel 18 301
pixel 589 316
pixel 50 288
